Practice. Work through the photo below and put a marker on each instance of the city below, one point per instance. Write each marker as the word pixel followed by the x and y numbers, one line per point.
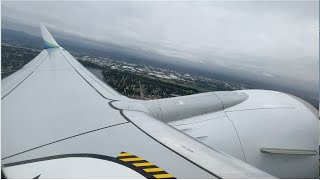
pixel 132 80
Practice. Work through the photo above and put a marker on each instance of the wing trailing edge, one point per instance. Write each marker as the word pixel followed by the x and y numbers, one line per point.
pixel 49 42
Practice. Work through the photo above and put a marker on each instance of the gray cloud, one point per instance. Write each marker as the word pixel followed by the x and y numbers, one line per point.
pixel 265 39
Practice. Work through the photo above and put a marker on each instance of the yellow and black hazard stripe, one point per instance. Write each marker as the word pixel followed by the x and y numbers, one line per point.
pixel 144 167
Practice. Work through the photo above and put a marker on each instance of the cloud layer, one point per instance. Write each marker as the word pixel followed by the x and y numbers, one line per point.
pixel 263 39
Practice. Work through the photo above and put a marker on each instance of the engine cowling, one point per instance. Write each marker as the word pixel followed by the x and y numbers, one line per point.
pixel 273 131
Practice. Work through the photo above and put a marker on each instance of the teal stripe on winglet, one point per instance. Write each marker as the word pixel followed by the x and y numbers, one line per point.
pixel 49 45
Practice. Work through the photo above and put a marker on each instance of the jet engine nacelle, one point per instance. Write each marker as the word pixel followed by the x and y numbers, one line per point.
pixel 273 131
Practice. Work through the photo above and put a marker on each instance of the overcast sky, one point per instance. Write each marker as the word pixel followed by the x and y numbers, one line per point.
pixel 268 39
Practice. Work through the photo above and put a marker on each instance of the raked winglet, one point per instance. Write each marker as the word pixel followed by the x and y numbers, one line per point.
pixel 49 42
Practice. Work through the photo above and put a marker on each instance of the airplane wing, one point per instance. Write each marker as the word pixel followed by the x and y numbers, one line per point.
pixel 60 121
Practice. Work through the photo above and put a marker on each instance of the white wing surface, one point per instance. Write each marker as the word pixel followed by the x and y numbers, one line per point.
pixel 59 121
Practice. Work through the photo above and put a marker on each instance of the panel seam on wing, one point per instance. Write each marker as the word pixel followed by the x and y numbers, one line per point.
pixel 25 77
pixel 86 79
pixel 63 139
